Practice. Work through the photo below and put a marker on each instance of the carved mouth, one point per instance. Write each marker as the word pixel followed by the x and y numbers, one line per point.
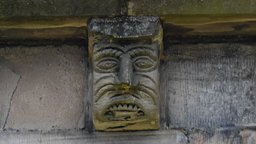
pixel 124 112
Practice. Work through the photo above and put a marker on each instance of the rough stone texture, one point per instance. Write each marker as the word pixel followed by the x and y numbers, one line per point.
pixel 231 136
pixel 209 86
pixel 168 7
pixel 161 137
pixel 35 8
pixel 248 136
pixel 126 27
pixel 50 92
pixel 228 136
pixel 8 83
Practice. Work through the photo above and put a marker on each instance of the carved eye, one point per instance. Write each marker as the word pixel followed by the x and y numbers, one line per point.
pixel 144 64
pixel 107 65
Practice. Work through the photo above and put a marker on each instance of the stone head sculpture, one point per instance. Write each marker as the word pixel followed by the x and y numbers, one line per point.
pixel 124 53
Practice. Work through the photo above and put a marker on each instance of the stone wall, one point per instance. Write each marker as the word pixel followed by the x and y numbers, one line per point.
pixel 207 79
pixel 207 95
pixel 70 8
pixel 209 86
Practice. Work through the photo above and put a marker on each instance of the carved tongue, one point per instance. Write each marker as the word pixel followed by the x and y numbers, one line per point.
pixel 121 115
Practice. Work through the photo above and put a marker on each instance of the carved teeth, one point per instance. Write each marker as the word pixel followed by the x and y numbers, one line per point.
pixel 120 106
pixel 130 107
pixel 124 107
pixel 115 107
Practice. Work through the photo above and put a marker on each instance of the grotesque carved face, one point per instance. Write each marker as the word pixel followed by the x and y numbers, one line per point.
pixel 124 53
pixel 126 85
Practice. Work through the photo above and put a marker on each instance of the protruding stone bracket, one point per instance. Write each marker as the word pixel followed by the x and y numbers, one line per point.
pixel 125 55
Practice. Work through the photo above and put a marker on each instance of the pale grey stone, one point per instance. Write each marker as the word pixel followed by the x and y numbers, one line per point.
pixel 158 137
pixel 229 136
pixel 50 93
pixel 248 136
pixel 209 86
pixel 8 84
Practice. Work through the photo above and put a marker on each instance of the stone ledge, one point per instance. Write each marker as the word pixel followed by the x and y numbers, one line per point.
pixel 80 137
pixel 224 136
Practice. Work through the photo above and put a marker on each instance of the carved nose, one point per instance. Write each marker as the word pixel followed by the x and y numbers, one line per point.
pixel 126 71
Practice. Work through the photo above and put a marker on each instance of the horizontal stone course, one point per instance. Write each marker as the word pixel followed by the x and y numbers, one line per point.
pixel 203 86
pixel 228 136
pixel 48 8
pixel 80 137
pixel 191 7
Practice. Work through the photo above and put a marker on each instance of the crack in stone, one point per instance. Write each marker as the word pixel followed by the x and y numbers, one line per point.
pixel 81 116
pixel 10 104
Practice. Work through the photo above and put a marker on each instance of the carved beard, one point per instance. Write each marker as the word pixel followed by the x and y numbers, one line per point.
pixel 124 102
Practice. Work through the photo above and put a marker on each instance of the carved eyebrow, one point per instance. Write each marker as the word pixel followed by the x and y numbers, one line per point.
pixel 144 47
pixel 103 47
pixel 143 52
pixel 107 53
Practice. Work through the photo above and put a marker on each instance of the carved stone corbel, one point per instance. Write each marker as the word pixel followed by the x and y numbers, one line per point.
pixel 125 58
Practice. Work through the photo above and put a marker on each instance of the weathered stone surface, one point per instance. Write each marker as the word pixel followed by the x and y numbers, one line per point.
pixel 126 27
pixel 184 7
pixel 32 8
pixel 160 137
pixel 230 136
pixel 125 57
pixel 35 8
pixel 50 93
pixel 8 84
pixel 209 86
pixel 248 136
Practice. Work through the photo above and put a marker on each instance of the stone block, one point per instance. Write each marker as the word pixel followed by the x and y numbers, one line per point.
pixel 209 86
pixel 248 136
pixel 228 136
pixel 125 58
pixel 50 93
pixel 8 84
